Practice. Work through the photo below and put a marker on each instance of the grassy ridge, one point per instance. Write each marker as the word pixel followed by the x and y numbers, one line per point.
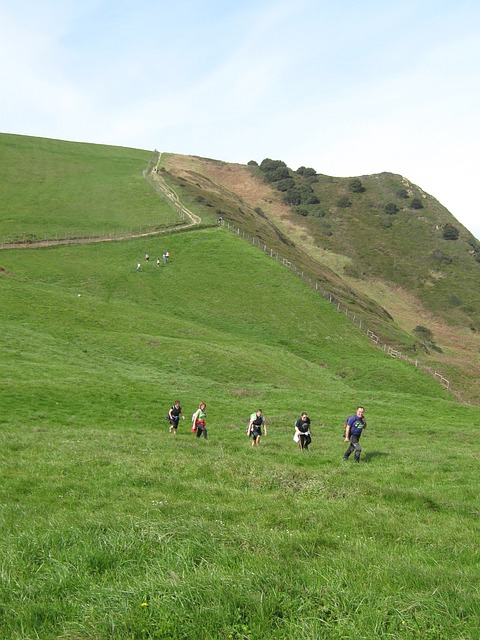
pixel 113 528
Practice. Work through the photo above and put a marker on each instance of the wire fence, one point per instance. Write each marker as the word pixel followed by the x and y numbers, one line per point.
pixel 353 317
pixel 26 241
pixel 72 236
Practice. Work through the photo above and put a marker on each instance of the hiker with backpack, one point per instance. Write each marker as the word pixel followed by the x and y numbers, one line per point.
pixel 199 421
pixel 174 414
pixel 302 431
pixel 254 429
pixel 354 426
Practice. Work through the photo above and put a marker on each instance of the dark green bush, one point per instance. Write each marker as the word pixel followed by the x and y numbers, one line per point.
pixel 269 165
pixel 310 198
pixel 306 172
pixel 310 210
pixel 356 186
pixel 426 338
pixel 391 208
pixel 285 184
pixel 402 193
pixel 450 232
pixel 292 196
pixel 274 170
pixel 344 202
pixel 275 175
pixel 416 203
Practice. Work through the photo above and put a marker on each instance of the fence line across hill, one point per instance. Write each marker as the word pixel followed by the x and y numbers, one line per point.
pixel 393 353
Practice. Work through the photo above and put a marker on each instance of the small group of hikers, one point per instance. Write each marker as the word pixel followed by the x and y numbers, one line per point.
pixel 165 258
pixel 354 426
pixel 198 419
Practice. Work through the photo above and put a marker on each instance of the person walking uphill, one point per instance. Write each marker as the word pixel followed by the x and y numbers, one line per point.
pixel 199 420
pixel 257 420
pixel 302 431
pixel 174 414
pixel 354 427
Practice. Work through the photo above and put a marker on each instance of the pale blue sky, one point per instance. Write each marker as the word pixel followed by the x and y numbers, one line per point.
pixel 348 88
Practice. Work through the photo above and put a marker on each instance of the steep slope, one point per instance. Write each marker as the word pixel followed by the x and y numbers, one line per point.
pixel 368 258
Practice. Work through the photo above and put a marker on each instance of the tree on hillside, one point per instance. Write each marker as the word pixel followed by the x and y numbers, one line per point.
pixel 306 172
pixel 308 194
pixel 391 208
pixel 285 184
pixel 275 175
pixel 252 163
pixel 270 165
pixel 344 202
pixel 274 170
pixel 292 196
pixel 426 338
pixel 416 203
pixel 356 186
pixel 314 211
pixel 450 232
pixel 402 193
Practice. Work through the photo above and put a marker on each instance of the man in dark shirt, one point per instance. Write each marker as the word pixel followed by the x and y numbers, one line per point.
pixel 354 427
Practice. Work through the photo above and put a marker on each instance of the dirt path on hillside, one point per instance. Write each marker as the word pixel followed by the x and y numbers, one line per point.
pixel 163 190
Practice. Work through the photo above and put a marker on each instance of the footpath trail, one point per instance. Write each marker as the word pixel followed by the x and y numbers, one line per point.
pixel 164 191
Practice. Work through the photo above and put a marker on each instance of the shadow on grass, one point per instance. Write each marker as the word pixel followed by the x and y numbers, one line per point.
pixel 371 455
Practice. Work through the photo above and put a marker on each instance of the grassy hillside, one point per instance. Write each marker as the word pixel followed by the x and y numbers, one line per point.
pixel 396 271
pixel 56 189
pixel 52 190
pixel 113 528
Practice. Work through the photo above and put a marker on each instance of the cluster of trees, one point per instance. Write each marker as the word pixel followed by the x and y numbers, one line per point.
pixel 295 186
pixel 355 186
pixel 391 208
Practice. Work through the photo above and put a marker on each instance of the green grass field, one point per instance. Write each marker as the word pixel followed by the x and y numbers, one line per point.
pixel 114 528
pixel 55 189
